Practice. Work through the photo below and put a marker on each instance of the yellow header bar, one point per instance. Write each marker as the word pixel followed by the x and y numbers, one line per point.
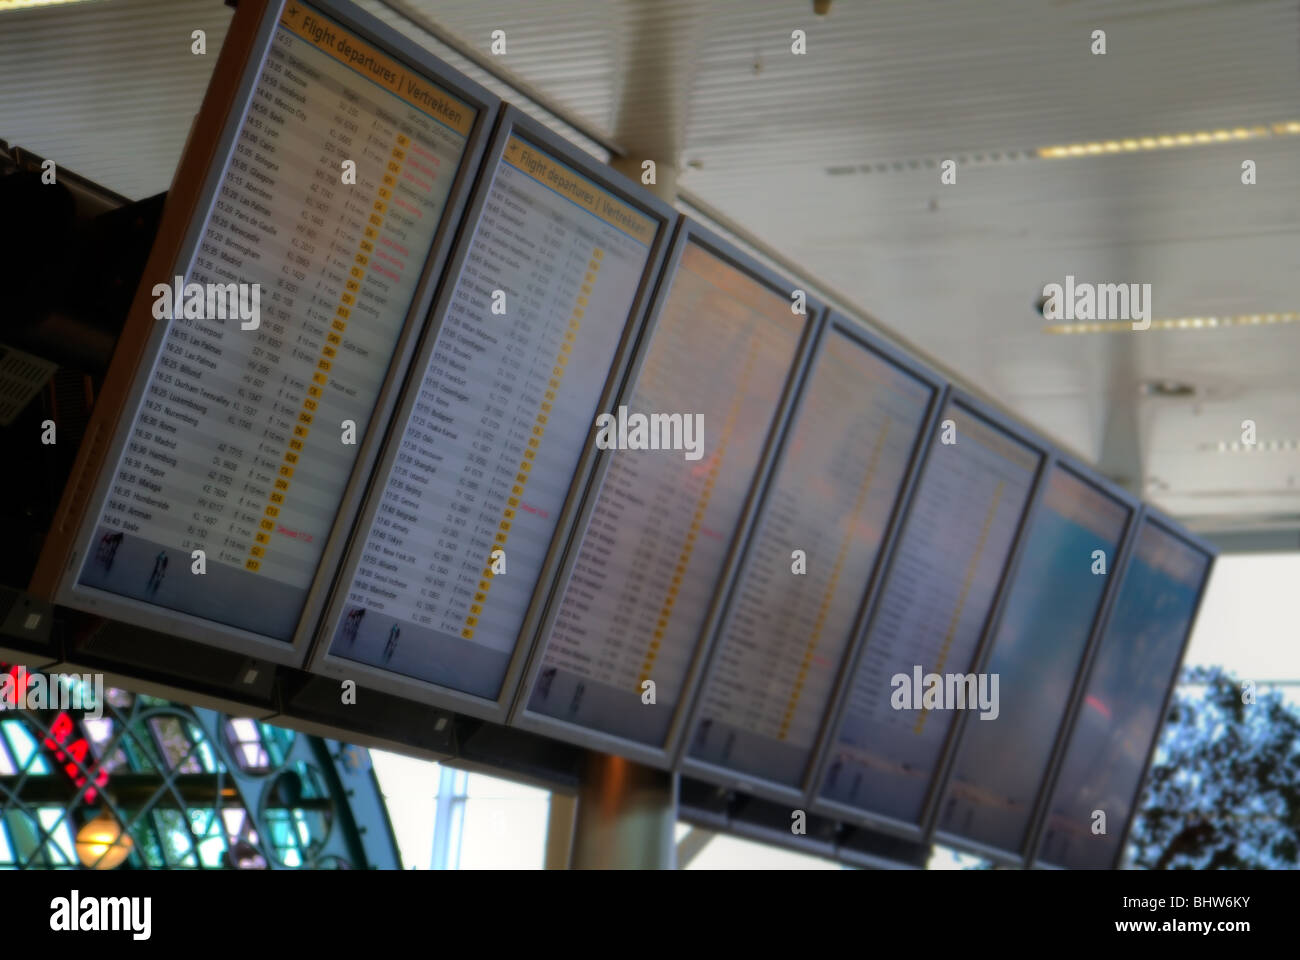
pixel 579 189
pixel 738 285
pixel 1171 556
pixel 326 35
pixel 997 441
pixel 1084 504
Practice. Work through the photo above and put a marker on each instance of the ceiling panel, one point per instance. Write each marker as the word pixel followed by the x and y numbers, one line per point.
pixel 833 157
pixel 108 88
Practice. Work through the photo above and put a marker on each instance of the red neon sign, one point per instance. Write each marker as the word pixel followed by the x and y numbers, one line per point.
pixel 75 753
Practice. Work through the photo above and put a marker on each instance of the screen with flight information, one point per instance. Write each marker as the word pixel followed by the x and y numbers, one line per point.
pixel 658 535
pixel 1120 715
pixel 943 579
pixel 473 486
pixel 792 612
pixel 249 427
pixel 1037 653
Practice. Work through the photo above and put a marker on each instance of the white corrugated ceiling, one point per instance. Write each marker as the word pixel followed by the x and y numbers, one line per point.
pixel 832 158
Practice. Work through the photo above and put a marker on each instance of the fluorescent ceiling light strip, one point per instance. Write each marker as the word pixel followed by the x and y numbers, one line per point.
pixel 1175 323
pixel 1169 141
pixel 25 4
pixel 1259 446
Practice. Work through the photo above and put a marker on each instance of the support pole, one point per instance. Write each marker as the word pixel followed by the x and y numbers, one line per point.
pixel 559 831
pixel 627 817
pixel 665 185
pixel 627 813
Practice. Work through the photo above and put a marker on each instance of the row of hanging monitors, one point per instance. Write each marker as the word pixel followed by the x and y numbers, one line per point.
pixel 435 343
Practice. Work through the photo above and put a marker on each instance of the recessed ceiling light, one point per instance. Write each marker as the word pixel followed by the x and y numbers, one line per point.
pixel 1259 446
pixel 1167 389
pixel 909 164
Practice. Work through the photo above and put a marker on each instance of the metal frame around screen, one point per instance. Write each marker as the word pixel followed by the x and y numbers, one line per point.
pixel 688 232
pixel 740 825
pixel 858 333
pixel 880 822
pixel 1157 518
pixel 177 623
pixel 512 122
pixel 1133 505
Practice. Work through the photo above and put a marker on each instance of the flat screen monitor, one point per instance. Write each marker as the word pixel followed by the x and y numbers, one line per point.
pixel 1123 705
pixel 946 570
pixel 279 327
pixel 1070 557
pixel 856 433
pixel 688 445
pixel 551 275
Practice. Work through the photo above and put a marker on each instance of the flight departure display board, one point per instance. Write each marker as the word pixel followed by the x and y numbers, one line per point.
pixel 944 576
pixel 332 203
pixel 1124 700
pixel 855 435
pixel 659 526
pixel 558 262
pixel 1037 653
